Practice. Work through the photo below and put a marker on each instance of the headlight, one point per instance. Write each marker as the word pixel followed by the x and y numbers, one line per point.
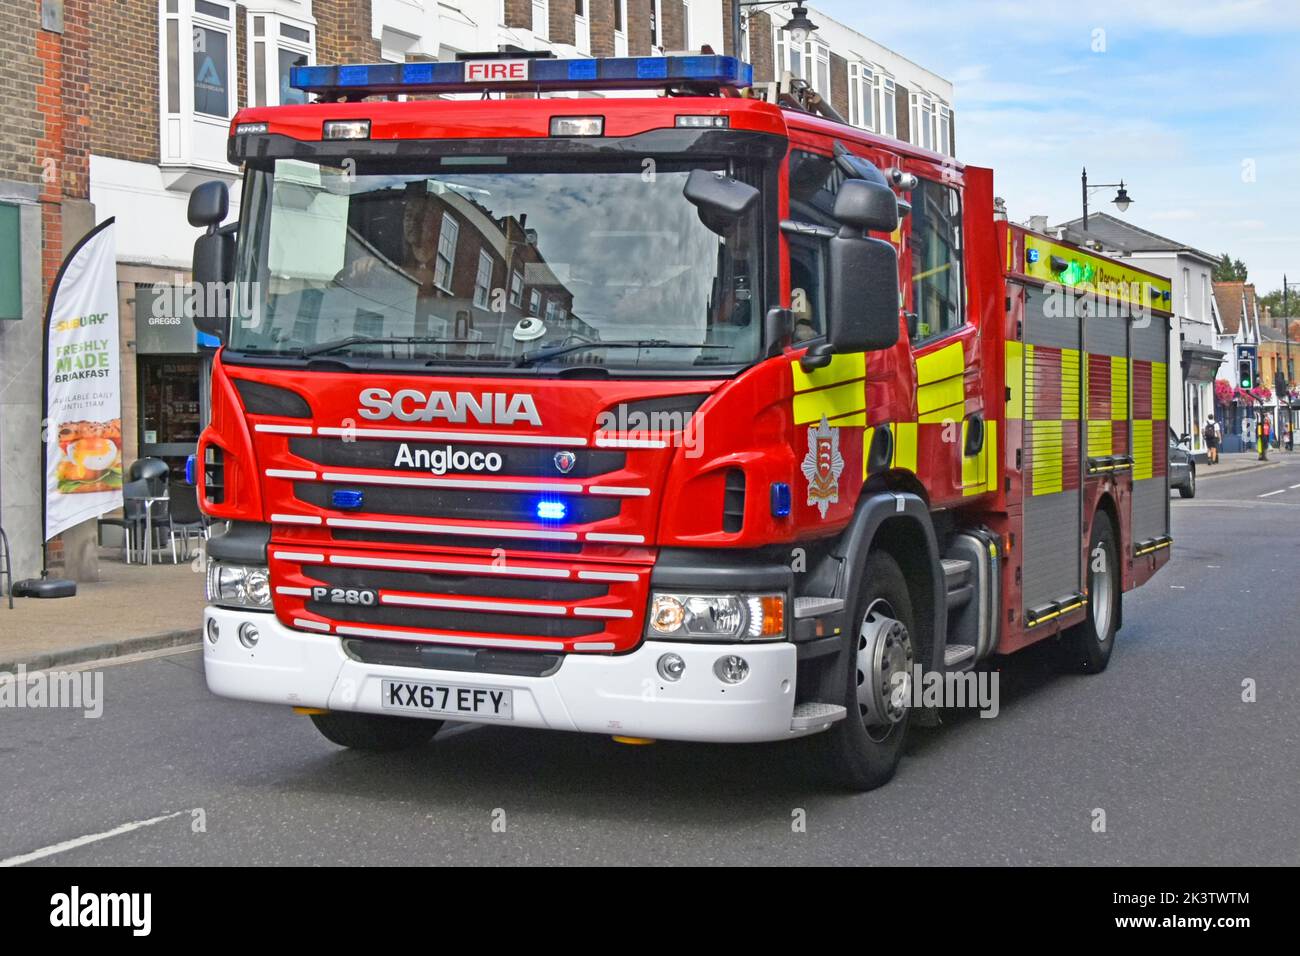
pixel 239 585
pixel 727 617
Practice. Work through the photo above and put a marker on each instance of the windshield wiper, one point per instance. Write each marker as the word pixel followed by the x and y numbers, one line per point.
pixel 541 355
pixel 337 344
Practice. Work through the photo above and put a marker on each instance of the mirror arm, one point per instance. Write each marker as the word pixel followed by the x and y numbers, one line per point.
pixel 778 324
pixel 817 356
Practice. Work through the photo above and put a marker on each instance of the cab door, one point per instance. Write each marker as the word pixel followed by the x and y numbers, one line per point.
pixel 952 438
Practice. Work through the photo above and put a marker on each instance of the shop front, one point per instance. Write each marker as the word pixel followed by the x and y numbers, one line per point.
pixel 173 365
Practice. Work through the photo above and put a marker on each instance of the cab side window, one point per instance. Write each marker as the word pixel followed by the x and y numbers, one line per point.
pixel 813 182
pixel 938 287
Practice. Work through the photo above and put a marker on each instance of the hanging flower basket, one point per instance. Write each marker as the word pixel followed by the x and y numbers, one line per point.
pixel 1223 391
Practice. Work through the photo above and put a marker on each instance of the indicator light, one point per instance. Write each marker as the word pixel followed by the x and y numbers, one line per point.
pixel 549 510
pixel 780 499
pixel 347 500
pixel 346 129
pixel 577 125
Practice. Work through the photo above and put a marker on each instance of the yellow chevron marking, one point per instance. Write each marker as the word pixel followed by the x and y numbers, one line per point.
pixel 842 368
pixel 833 402
pixel 1070 384
pixel 1015 380
pixel 1045 457
pixel 905 446
pixel 945 363
pixel 1100 437
pixel 1159 391
pixel 1143 438
pixel 1118 388
pixel 950 391
pixel 948 413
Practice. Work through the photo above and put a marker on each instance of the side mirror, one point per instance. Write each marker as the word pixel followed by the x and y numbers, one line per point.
pixel 862 307
pixel 209 204
pixel 720 199
pixel 214 257
pixel 865 205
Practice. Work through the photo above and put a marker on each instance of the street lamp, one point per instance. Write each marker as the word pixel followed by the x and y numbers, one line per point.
pixel 798 26
pixel 1122 199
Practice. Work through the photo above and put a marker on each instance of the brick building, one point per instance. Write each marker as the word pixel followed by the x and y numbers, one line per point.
pixel 869 85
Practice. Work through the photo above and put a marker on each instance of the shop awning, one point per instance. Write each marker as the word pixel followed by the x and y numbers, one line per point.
pixel 1200 363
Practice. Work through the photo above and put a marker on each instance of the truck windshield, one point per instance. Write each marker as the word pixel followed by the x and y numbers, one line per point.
pixel 490 259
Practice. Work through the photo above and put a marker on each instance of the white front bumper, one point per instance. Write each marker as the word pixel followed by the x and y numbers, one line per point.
pixel 589 693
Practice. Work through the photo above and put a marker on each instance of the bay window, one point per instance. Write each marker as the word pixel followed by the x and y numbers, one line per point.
pixel 276 44
pixel 197 74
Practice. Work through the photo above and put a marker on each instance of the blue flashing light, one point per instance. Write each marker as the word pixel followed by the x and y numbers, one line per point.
pixel 347 500
pixel 532 74
pixel 548 509
pixel 780 499
pixel 1032 255
pixel 189 469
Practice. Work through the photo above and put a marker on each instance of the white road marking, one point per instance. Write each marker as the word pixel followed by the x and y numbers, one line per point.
pixel 1293 487
pixel 1270 494
pixel 88 839
pixel 1179 587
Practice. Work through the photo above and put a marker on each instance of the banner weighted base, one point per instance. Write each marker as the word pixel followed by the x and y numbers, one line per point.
pixel 45 588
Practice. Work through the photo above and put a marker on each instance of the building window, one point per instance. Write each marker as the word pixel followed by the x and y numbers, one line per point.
pixel 888 110
pixel 483 280
pixel 656 18
pixel 936 252
pixel 197 87
pixel 945 130
pixel 1187 292
pixel 275 46
pixel 620 27
pixel 923 121
pixel 541 19
pixel 516 289
pixel 446 258
pixel 534 302
pixel 552 310
pixel 862 96
pixel 819 55
pixel 686 24
pixel 212 73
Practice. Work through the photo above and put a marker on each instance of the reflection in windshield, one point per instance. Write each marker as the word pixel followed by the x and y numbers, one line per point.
pixel 482 264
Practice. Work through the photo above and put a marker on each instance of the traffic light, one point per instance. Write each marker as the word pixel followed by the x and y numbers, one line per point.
pixel 1245 373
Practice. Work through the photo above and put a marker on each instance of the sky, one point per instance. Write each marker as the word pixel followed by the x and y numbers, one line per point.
pixel 1194 104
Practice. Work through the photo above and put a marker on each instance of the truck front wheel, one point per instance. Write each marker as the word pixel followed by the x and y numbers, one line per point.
pixel 865 747
pixel 373 732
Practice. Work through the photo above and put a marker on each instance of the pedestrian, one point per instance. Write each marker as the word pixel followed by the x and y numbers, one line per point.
pixel 1211 435
pixel 1290 436
pixel 1265 430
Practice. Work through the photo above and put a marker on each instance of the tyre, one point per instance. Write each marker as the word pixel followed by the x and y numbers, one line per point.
pixel 864 748
pixel 1188 488
pixel 373 732
pixel 1086 647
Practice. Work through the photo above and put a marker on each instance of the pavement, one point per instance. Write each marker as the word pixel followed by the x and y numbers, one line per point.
pixel 1241 461
pixel 133 608
pixel 1186 771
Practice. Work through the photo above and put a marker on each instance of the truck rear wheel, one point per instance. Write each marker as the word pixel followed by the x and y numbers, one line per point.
pixel 864 748
pixel 1086 647
pixel 373 732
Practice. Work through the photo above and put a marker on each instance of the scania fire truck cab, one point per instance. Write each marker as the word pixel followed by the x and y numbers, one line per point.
pixel 686 416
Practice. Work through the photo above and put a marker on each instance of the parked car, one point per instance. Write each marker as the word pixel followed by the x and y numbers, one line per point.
pixel 1182 469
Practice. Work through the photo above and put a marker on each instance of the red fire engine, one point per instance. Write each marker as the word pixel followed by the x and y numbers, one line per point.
pixel 685 416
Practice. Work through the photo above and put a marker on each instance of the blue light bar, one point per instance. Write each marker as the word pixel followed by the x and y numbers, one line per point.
pixel 524 74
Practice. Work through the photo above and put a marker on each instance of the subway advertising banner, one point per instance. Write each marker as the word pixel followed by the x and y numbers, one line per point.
pixel 83 386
